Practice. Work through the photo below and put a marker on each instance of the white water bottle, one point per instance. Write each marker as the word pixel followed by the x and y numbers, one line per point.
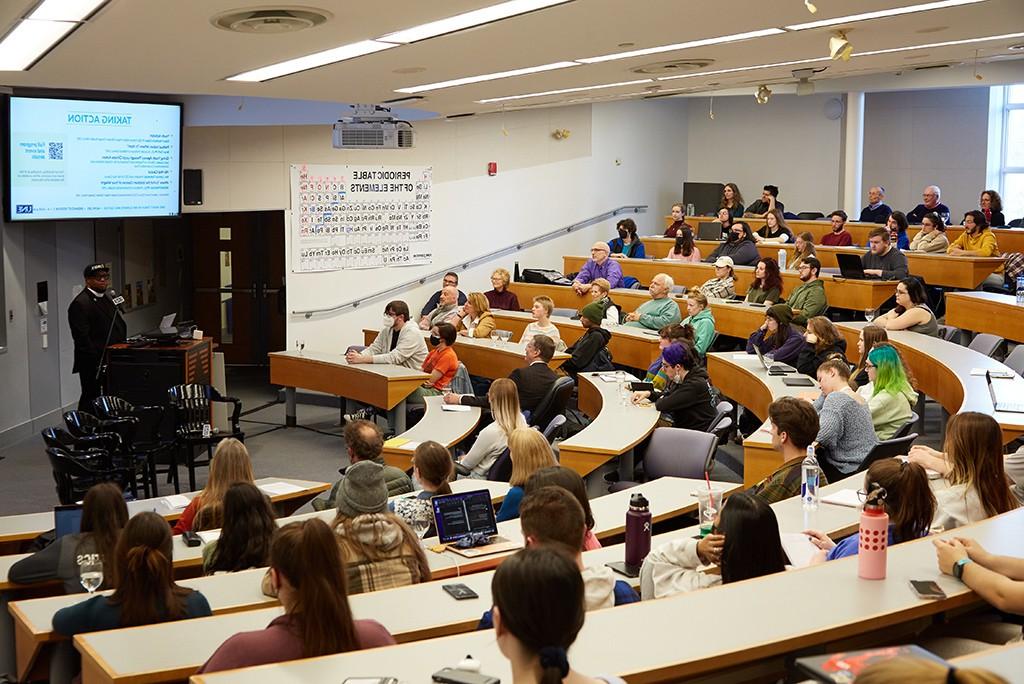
pixel 1020 289
pixel 810 476
pixel 782 260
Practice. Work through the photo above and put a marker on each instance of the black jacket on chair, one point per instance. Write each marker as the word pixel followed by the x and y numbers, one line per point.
pixel 532 383
pixel 89 317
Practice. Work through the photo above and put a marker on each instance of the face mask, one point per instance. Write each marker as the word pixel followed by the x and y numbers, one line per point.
pixel 733 237
pixel 388 321
pixel 623 234
pixel 435 340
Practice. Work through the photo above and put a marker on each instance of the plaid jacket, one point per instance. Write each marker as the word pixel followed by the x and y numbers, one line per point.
pixel 378 554
pixel 783 483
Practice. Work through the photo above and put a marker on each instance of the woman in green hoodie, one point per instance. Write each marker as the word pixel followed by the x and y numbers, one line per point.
pixel 892 397
pixel 701 319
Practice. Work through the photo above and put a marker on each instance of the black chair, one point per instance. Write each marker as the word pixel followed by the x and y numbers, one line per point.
pixel 889 448
pixel 144 440
pixel 810 215
pixel 192 405
pixel 83 425
pixel 554 402
pixel 83 448
pixel 906 427
pixel 501 469
pixel 74 477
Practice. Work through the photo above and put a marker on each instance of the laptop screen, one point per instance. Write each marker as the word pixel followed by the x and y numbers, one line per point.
pixel 167 321
pixel 67 519
pixel 458 515
pixel 709 230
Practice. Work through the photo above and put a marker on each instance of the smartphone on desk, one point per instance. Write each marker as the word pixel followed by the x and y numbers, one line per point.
pixel 370 680
pixel 459 592
pixel 623 569
pixel 450 675
pixel 927 589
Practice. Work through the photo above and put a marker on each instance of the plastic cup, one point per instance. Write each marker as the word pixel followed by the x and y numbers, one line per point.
pixel 709 505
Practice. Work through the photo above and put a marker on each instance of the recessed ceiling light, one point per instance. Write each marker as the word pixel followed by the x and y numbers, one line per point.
pixel 65 10
pixel 484 15
pixel 682 46
pixel 317 59
pixel 29 41
pixel 896 11
pixel 486 77
pixel 562 91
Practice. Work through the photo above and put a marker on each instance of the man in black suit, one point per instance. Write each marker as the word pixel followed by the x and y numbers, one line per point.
pixel 90 316
pixel 532 381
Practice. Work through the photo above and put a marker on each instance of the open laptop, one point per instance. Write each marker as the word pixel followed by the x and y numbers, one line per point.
pixel 709 230
pixel 773 368
pixel 167 323
pixel 1008 406
pixel 466 523
pixel 67 519
pixel 851 267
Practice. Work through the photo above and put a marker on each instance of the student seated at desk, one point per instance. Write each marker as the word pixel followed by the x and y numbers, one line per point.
pixel 533 381
pixel 380 550
pixel 739 246
pixel 529 451
pixel 364 441
pixel 104 515
pixel 249 526
pixel 539 604
pixel 590 353
pixel 976 485
pixel 846 434
pixel 867 338
pixel 877 211
pixel 307 572
pixel 146 592
pixel 677 225
pixel 978 240
pixel 821 341
pixel 912 312
pixel 675 333
pixel 230 464
pixel 803 245
pixel 660 311
pixel 684 249
pixel 731 200
pixel 892 398
pixel 599 292
pixel 997 579
pixel 775 230
pixel 477 319
pixel 839 237
pixel 905 496
pixel 500 297
pixel 446 310
pixel 598 266
pixel 883 260
pixel 553 518
pixel 897 225
pixel 627 245
pixel 493 439
pixel 769 200
pixel 701 320
pixel 744 543
pixel 794 425
pixel 777 340
pixel 441 363
pixel 991 205
pixel 932 236
pixel 808 298
pixel 432 469
pixel 397 343
pixel 569 480
pixel 451 279
pixel 541 324
pixel 723 285
pixel 686 401
pixel 767 286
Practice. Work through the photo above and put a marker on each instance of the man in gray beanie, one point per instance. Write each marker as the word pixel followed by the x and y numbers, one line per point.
pixel 362 490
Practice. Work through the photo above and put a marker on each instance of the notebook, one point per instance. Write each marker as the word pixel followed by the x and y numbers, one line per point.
pixel 467 518
pixel 1008 406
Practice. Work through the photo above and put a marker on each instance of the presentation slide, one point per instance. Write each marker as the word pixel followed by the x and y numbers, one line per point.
pixel 90 159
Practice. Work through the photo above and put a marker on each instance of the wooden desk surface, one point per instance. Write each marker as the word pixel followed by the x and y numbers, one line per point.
pixel 378 384
pixel 438 425
pixel 780 625
pixel 943 372
pixel 841 293
pixel 614 429
pixel 986 312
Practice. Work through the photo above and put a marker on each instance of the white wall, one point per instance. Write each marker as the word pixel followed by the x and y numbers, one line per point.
pixel 788 142
pixel 925 137
pixel 617 154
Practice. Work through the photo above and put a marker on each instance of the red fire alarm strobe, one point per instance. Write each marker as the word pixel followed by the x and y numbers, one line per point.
pixel 492 168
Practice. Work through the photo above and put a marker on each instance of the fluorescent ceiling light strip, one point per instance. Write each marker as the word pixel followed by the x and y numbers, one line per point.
pixel 291 66
pixel 486 77
pixel 29 41
pixel 484 15
pixel 938 45
pixel 65 10
pixel 745 68
pixel 683 46
pixel 896 11
pixel 565 90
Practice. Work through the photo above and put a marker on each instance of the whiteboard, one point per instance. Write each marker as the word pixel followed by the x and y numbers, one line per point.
pixel 359 216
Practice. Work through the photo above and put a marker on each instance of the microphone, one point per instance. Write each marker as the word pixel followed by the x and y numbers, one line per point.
pixel 116 299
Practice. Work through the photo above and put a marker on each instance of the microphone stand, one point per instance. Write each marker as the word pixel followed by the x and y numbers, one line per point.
pixel 101 366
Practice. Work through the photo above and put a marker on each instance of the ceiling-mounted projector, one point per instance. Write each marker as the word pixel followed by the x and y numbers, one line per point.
pixel 371 127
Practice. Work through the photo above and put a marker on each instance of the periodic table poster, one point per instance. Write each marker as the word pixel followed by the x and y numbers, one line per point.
pixel 359 216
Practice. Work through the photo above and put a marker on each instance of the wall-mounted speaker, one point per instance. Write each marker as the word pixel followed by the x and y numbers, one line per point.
pixel 192 186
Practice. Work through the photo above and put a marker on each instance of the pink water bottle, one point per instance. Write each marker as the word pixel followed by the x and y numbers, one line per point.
pixel 874 536
pixel 638 532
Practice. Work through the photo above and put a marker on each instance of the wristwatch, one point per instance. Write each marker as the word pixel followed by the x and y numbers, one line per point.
pixel 958 568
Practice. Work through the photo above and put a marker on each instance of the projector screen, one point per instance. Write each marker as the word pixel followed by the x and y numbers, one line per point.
pixel 80 159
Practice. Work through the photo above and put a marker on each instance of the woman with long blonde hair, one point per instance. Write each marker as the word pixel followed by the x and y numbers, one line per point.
pixel 530 451
pixel 477 319
pixel 804 243
pixel 493 439
pixel 972 465
pixel 230 464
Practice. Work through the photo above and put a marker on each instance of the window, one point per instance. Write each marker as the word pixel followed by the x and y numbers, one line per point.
pixel 1011 171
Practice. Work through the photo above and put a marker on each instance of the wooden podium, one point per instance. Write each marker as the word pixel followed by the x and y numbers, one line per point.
pixel 142 375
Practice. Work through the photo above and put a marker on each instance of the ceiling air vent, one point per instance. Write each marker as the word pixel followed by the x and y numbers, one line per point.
pixel 679 66
pixel 270 20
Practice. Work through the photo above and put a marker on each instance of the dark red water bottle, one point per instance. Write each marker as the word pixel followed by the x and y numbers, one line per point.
pixel 638 532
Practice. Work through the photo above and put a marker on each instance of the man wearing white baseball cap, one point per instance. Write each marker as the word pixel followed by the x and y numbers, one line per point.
pixel 723 285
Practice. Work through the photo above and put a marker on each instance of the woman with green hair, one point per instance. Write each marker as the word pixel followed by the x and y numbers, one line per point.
pixel 892 397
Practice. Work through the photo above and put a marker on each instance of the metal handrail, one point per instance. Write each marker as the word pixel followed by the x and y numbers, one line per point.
pixel 463 265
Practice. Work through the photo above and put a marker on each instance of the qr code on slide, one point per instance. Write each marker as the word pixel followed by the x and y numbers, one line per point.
pixel 55 150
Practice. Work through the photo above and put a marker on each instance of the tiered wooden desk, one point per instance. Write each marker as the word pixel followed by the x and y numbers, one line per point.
pixel 986 312
pixel 437 425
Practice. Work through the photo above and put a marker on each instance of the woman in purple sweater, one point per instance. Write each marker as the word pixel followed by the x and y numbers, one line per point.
pixel 775 338
pixel 308 573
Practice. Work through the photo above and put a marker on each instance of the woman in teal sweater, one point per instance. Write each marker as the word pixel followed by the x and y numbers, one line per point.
pixel 701 320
